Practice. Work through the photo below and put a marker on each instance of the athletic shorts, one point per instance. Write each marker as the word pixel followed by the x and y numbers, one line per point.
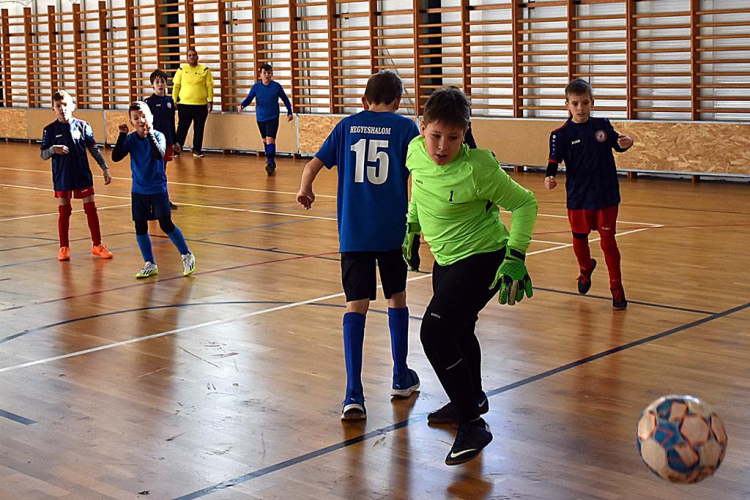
pixel 169 153
pixel 358 274
pixel 77 194
pixel 269 128
pixel 150 206
pixel 585 221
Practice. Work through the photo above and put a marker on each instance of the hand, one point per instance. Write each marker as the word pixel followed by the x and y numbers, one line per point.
pixel 410 247
pixel 624 141
pixel 147 127
pixel 239 108
pixel 210 106
pixel 305 197
pixel 290 118
pixel 550 183
pixel 123 128
pixel 513 278
pixel 176 147
pixel 107 177
pixel 61 150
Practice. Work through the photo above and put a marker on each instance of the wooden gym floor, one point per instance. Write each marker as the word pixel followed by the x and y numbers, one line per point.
pixel 227 384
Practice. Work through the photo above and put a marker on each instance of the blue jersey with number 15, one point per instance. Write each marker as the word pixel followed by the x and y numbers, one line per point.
pixel 370 151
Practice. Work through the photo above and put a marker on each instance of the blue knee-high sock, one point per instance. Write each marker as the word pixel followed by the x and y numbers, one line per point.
pixel 179 241
pixel 354 339
pixel 265 148
pixel 144 243
pixel 398 321
pixel 271 152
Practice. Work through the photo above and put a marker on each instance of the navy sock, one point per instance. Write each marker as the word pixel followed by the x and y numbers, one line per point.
pixel 398 321
pixel 179 241
pixel 271 152
pixel 354 339
pixel 144 243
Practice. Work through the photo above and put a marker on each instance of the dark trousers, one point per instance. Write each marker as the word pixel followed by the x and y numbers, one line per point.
pixel 460 291
pixel 190 113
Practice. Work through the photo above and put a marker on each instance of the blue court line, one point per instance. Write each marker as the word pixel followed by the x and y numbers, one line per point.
pixel 16 418
pixel 23 333
pixel 385 430
pixel 640 303
pixel 263 226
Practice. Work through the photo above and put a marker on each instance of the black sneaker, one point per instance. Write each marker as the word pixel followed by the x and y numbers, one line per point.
pixel 471 438
pixel 271 169
pixel 619 302
pixel 449 415
pixel 584 279
pixel 172 206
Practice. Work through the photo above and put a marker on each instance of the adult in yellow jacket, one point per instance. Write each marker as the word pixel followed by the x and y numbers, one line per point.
pixel 193 94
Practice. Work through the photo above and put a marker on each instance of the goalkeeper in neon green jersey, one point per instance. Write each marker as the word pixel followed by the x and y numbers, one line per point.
pixel 454 203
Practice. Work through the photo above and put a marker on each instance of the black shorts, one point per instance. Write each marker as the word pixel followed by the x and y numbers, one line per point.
pixel 150 206
pixel 358 274
pixel 269 128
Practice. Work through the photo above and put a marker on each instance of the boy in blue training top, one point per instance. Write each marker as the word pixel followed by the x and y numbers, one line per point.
pixel 66 141
pixel 150 201
pixel 268 93
pixel 585 144
pixel 370 151
pixel 162 108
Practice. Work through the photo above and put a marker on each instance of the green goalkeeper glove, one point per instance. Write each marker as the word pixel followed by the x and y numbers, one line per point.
pixel 513 278
pixel 410 247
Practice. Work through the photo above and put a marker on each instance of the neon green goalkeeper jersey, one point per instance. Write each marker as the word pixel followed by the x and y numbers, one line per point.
pixel 456 204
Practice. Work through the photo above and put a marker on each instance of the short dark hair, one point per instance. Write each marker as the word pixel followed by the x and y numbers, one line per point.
pixel 266 67
pixel 579 86
pixel 142 107
pixel 62 96
pixel 383 88
pixel 158 74
pixel 449 106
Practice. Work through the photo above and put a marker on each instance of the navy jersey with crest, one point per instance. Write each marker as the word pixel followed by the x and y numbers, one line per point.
pixel 70 171
pixel 590 170
pixel 370 149
pixel 162 107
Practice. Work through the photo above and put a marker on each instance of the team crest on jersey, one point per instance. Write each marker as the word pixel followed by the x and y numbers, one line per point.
pixel 169 105
pixel 600 135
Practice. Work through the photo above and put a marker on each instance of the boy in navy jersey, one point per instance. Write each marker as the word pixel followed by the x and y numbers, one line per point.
pixel 65 141
pixel 162 108
pixel 585 144
pixel 268 93
pixel 149 195
pixel 370 151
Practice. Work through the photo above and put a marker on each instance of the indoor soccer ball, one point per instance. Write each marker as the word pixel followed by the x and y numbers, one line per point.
pixel 681 439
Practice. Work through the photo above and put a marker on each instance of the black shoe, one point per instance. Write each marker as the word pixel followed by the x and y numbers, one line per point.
pixel 172 206
pixel 449 415
pixel 271 169
pixel 471 438
pixel 584 279
pixel 619 302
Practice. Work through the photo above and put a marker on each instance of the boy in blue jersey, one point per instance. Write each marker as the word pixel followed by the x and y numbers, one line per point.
pixel 268 92
pixel 585 144
pixel 369 149
pixel 162 108
pixel 66 141
pixel 149 195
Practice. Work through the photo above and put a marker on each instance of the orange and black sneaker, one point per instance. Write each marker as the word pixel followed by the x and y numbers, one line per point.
pixel 619 302
pixel 101 251
pixel 584 279
pixel 64 254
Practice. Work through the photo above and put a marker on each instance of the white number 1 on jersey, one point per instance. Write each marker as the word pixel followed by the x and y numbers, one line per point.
pixel 375 174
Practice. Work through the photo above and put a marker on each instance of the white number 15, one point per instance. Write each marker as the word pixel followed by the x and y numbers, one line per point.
pixel 375 174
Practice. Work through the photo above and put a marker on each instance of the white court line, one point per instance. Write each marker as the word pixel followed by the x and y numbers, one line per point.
pixel 234 318
pixel 58 213
pixel 290 193
pixel 211 186
pixel 214 207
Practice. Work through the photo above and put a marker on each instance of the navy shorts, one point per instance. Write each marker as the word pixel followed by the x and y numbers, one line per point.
pixel 150 206
pixel 358 274
pixel 269 128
